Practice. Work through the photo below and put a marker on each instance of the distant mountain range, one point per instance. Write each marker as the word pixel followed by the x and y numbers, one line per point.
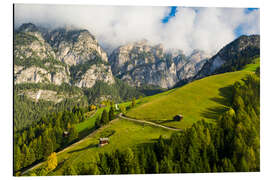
pixel 74 57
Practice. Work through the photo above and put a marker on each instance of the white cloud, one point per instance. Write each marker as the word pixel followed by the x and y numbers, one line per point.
pixel 208 29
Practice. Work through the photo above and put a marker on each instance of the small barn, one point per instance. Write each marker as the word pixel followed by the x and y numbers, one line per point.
pixel 103 141
pixel 178 117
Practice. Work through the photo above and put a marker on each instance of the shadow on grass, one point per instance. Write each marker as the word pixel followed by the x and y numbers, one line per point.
pixel 85 148
pixel 225 100
pixel 226 96
pixel 214 113
pixel 60 165
pixel 150 143
pixel 86 132
pixel 167 121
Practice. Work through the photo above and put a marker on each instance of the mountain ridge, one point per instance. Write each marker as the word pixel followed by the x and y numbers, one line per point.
pixel 64 47
pixel 236 54
pixel 140 63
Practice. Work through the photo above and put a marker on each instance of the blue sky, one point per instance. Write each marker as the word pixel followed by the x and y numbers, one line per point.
pixel 170 15
pixel 239 30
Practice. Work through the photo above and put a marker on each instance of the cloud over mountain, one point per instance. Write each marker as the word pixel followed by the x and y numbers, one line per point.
pixel 207 29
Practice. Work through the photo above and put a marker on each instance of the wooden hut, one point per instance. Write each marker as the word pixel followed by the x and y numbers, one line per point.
pixel 178 117
pixel 103 141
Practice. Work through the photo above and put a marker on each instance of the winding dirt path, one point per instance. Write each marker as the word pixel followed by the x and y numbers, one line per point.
pixel 148 122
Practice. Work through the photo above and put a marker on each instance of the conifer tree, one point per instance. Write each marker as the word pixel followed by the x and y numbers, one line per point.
pixel 104 117
pixel 17 158
pixel 111 114
pixel 133 102
pixel 70 170
pixel 98 122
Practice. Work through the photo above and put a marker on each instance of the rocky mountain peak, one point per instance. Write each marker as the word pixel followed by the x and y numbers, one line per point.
pixel 174 52
pixel 140 63
pixel 240 44
pixel 76 46
pixel 63 55
pixel 198 55
pixel 27 27
pixel 141 42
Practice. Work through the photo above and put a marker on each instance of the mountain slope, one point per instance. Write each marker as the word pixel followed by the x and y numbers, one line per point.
pixel 233 56
pixel 194 101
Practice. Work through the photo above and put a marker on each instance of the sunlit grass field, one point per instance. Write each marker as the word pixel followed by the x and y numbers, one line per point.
pixel 195 101
pixel 126 134
pixel 253 66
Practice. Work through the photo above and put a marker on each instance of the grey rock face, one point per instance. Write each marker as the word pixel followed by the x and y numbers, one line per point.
pixel 35 74
pixel 192 66
pixel 35 61
pixel 75 46
pixel 32 45
pixel 48 95
pixel 142 64
pixel 43 56
pixel 44 95
pixel 96 73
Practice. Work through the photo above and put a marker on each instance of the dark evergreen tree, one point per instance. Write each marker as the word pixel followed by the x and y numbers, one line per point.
pixel 111 113
pixel 98 122
pixel 17 158
pixel 104 117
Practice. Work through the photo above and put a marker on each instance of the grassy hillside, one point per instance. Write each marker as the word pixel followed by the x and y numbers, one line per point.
pixel 194 101
pixel 197 100
pixel 253 66
pixel 124 134
pixel 88 125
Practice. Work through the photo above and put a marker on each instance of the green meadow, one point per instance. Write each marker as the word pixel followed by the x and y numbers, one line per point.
pixel 195 101
pixel 253 66
pixel 122 133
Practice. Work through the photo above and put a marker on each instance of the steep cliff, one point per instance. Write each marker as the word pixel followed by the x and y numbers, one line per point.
pixel 142 64
pixel 59 56
pixel 34 59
